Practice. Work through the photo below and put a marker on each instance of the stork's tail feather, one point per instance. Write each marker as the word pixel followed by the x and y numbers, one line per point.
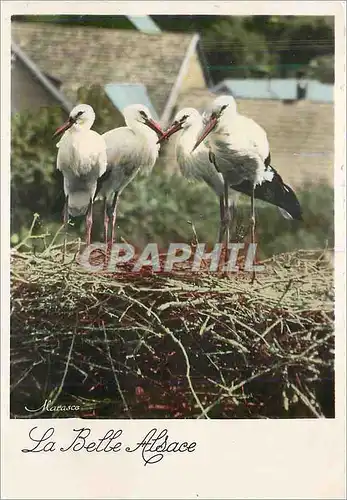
pixel 286 200
pixel 281 195
pixel 277 193
pixel 78 203
pixel 284 213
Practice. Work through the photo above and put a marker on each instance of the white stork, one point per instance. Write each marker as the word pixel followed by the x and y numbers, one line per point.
pixel 240 152
pixel 129 150
pixel 196 165
pixel 82 160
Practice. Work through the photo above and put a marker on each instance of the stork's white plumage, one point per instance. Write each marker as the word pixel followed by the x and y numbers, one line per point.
pixel 82 160
pixel 240 151
pixel 196 165
pixel 129 150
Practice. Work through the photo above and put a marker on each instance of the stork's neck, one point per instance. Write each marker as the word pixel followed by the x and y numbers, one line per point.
pixel 144 131
pixel 224 122
pixel 188 136
pixel 78 128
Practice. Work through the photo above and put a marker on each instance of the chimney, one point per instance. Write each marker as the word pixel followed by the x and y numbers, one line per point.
pixel 301 85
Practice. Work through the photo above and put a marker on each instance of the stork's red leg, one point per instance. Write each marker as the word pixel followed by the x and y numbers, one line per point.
pixel 226 201
pixel 222 219
pixel 89 222
pixel 106 223
pixel 65 221
pixel 226 220
pixel 232 212
pixel 252 226
pixel 114 216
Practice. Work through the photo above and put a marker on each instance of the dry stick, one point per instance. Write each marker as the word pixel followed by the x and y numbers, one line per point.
pixel 25 374
pixel 316 344
pixel 312 396
pixel 28 236
pixel 192 302
pixel 37 414
pixel 50 246
pixel 289 284
pixel 196 240
pixel 306 401
pixel 177 341
pixel 268 330
pixel 234 388
pixel 253 331
pixel 216 367
pixel 232 342
pixel 126 407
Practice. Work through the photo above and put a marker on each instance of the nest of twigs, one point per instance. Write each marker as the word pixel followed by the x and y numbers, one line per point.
pixel 150 345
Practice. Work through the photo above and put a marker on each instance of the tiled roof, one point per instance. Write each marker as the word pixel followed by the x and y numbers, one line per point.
pixel 82 56
pixel 301 135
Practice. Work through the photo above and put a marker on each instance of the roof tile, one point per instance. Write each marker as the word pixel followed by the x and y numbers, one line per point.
pixel 82 56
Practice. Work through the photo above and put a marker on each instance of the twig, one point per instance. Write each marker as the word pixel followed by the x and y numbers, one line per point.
pixel 25 374
pixel 178 341
pixel 126 408
pixel 306 401
pixel 37 414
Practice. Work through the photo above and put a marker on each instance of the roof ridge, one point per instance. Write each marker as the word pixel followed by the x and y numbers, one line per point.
pixel 34 69
pixel 102 29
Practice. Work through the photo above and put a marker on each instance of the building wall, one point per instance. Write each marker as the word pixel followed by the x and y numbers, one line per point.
pixel 301 138
pixel 26 92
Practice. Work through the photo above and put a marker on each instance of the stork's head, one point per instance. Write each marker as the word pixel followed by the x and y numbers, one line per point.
pixel 184 119
pixel 82 116
pixel 222 110
pixel 136 114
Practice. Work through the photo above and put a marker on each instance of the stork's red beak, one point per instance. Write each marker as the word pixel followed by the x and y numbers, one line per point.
pixel 175 127
pixel 64 127
pixel 210 125
pixel 154 126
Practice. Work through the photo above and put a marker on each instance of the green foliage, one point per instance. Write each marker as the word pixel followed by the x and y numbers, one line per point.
pixel 275 46
pixel 34 181
pixel 322 68
pixel 236 52
pixel 298 39
pixel 277 234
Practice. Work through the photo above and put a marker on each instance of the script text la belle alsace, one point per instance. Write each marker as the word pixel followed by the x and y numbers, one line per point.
pixel 152 447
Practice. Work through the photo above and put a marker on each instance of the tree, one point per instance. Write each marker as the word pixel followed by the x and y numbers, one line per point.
pixel 34 180
pixel 235 52
pixel 295 40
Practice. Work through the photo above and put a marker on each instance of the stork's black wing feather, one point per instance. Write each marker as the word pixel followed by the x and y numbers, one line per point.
pixel 104 178
pixel 212 158
pixel 267 161
pixel 275 192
